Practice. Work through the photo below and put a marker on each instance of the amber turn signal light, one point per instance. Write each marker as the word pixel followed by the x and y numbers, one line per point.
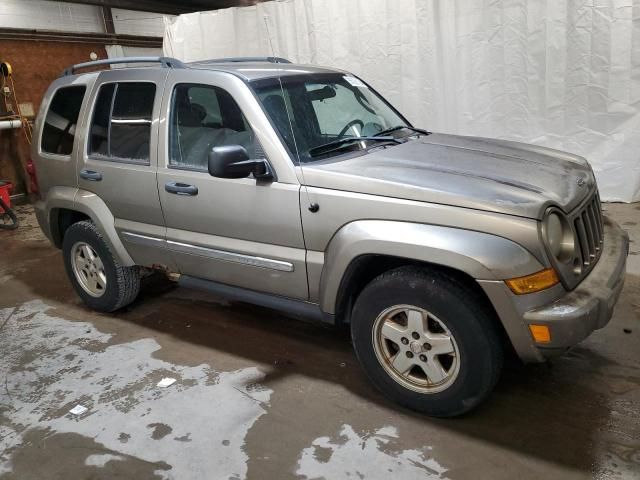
pixel 533 283
pixel 541 333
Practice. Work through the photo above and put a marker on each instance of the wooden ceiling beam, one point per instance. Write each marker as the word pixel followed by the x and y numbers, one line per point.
pixel 168 6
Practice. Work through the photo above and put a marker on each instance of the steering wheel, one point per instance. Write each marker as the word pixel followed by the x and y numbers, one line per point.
pixel 349 125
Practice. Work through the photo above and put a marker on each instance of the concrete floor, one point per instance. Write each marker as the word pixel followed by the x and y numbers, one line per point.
pixel 262 396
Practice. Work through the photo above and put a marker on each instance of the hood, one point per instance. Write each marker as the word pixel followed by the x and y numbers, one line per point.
pixel 472 172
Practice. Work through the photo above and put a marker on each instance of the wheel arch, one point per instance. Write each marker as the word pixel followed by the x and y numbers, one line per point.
pixel 480 256
pixel 66 207
pixel 60 219
pixel 363 269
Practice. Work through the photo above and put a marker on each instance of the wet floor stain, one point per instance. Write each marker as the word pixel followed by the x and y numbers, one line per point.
pixel 183 438
pixel 367 455
pixel 50 365
pixel 160 430
pixel 576 418
pixel 48 455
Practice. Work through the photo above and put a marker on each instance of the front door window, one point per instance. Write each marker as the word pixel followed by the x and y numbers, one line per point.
pixel 204 117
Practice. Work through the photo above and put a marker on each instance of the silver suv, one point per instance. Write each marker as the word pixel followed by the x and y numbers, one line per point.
pixel 302 189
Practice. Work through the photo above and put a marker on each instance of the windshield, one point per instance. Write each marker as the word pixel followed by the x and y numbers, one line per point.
pixel 312 111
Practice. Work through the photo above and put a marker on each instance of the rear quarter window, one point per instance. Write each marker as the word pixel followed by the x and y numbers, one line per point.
pixel 60 123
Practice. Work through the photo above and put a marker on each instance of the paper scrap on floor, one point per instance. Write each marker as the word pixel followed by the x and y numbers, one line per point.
pixel 166 382
pixel 78 410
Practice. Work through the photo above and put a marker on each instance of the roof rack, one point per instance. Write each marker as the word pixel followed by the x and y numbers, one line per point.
pixel 245 59
pixel 165 62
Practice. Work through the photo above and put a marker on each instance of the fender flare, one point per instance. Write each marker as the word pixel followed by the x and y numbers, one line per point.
pixel 94 207
pixel 480 255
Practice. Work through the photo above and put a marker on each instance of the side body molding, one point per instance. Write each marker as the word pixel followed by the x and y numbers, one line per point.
pixel 91 205
pixel 481 255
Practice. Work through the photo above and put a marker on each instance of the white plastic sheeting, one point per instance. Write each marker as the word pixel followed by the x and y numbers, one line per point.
pixel 115 51
pixel 559 73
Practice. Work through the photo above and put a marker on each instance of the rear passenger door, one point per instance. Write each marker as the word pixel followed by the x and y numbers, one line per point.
pixel 119 158
pixel 242 231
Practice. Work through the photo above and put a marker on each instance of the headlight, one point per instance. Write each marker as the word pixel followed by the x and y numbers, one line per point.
pixel 559 236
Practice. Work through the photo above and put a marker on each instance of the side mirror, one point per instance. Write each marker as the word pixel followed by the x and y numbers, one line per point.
pixel 232 161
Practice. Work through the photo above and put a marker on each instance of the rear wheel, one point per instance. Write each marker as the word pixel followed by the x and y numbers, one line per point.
pixel 96 276
pixel 427 341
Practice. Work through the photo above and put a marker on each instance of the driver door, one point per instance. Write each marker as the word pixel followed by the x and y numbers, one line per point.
pixel 241 232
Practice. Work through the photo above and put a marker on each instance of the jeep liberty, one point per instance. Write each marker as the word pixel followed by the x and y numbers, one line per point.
pixel 302 189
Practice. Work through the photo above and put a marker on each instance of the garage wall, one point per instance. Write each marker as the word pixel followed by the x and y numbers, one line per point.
pixel 45 15
pixel 35 65
pixel 129 22
pixel 71 17
pixel 563 73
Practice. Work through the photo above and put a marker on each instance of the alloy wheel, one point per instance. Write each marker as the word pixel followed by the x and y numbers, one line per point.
pixel 416 348
pixel 88 269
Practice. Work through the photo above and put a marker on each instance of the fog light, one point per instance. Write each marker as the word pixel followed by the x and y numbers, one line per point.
pixel 533 283
pixel 541 333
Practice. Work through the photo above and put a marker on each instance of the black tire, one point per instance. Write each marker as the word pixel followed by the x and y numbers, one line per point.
pixel 123 283
pixel 469 320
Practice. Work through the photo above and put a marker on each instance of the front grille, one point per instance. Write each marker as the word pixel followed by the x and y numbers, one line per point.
pixel 589 232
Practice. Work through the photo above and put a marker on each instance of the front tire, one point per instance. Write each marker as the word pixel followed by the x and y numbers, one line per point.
pixel 102 283
pixel 427 341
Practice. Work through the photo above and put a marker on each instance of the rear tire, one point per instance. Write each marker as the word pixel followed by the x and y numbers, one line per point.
pixel 102 283
pixel 427 341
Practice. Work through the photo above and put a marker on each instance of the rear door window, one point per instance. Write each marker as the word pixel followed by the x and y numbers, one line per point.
pixel 58 132
pixel 121 124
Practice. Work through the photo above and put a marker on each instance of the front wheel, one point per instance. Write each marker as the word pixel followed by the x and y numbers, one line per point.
pixel 427 341
pixel 101 282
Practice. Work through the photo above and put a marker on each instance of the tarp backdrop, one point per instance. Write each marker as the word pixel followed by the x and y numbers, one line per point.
pixel 559 73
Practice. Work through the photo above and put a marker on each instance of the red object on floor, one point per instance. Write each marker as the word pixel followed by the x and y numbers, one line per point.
pixel 33 178
pixel 5 189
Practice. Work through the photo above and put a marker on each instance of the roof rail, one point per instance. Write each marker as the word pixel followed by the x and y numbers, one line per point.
pixel 165 62
pixel 245 59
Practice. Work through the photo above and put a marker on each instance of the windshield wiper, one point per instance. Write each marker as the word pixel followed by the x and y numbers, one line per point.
pixel 400 127
pixel 337 144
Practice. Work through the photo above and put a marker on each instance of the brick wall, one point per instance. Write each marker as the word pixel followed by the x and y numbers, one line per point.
pixel 35 65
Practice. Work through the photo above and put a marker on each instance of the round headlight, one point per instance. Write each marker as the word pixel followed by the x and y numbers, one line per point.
pixel 559 237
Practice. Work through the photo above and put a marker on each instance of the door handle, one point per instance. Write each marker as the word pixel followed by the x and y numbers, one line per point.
pixel 91 175
pixel 181 188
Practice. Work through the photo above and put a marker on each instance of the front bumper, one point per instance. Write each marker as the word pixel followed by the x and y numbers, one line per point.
pixel 589 307
pixel 570 316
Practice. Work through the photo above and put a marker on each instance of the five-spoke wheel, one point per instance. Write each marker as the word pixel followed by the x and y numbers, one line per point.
pixel 427 339
pixel 88 269
pixel 416 348
pixel 97 277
